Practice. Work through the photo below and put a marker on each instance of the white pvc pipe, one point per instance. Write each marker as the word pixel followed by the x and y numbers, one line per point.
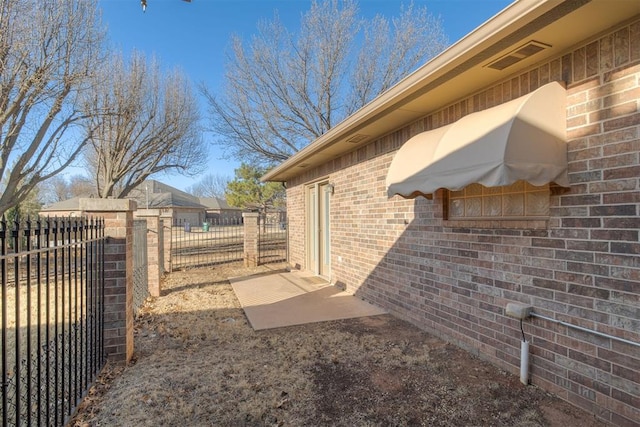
pixel 524 362
pixel 590 331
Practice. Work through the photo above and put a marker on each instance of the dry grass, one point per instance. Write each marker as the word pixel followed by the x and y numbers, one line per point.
pixel 29 305
pixel 198 362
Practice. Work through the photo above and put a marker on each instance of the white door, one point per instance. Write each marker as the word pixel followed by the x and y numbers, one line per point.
pixel 318 229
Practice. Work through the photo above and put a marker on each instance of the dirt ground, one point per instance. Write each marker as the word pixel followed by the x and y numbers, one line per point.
pixel 199 363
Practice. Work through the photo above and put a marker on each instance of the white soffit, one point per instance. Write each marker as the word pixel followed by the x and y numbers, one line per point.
pixel 523 139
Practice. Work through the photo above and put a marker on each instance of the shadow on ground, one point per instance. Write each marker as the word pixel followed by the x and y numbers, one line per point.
pixel 198 362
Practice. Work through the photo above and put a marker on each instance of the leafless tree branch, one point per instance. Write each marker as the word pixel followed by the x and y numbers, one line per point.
pixel 49 52
pixel 284 90
pixel 211 185
pixel 150 124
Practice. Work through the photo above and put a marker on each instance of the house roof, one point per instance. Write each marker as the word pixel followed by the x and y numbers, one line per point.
pixel 71 204
pixel 491 53
pixel 155 193
pixel 168 200
pixel 216 203
pixel 161 195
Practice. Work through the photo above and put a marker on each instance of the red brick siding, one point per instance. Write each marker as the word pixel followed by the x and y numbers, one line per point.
pixel 296 225
pixel 455 278
pixel 118 265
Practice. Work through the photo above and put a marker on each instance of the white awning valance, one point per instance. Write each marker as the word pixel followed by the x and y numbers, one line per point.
pixel 523 139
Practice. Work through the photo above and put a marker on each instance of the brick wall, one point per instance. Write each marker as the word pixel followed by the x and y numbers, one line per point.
pixel 118 273
pixel 454 278
pixel 250 254
pixel 118 267
pixel 296 225
pixel 155 248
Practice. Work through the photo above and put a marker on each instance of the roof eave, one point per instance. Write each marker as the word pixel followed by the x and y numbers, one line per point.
pixel 469 66
pixel 457 53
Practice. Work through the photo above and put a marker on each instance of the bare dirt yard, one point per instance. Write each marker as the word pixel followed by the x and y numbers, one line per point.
pixel 199 363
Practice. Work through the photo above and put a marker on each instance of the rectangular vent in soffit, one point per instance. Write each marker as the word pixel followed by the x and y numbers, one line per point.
pixel 357 138
pixel 517 55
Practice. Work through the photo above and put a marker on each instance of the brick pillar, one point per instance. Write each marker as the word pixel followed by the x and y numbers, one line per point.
pixel 118 273
pixel 167 236
pixel 154 248
pixel 250 238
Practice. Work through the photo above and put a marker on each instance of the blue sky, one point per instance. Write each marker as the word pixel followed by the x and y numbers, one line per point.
pixel 194 36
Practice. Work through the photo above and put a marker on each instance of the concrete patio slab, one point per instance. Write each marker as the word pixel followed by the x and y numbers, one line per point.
pixel 291 298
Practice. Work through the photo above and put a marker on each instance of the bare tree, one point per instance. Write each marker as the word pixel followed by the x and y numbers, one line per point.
pixel 149 125
pixel 49 50
pixel 59 188
pixel 211 185
pixel 55 189
pixel 81 186
pixel 283 90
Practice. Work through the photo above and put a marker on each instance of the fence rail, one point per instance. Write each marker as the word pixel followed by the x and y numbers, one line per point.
pixel 272 238
pixel 140 264
pixel 215 242
pixel 52 342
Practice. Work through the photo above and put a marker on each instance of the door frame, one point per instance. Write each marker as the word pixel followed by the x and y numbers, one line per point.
pixel 318 227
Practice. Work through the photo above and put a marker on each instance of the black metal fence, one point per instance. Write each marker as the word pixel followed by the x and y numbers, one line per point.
pixel 272 238
pixel 52 342
pixel 216 241
pixel 140 264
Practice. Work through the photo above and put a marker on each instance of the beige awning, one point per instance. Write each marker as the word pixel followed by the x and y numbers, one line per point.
pixel 523 139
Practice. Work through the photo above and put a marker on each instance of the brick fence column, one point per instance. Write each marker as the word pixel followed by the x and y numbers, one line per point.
pixel 118 273
pixel 167 236
pixel 250 238
pixel 154 248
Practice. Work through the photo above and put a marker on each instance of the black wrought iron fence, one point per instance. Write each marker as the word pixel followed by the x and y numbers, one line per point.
pixel 140 264
pixel 272 238
pixel 52 317
pixel 215 241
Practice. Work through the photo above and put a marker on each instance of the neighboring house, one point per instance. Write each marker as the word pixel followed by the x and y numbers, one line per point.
pixel 182 207
pixel 276 215
pixel 270 214
pixel 555 224
pixel 151 194
pixel 218 210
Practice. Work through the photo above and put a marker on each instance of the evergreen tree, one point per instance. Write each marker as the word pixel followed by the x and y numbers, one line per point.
pixel 248 192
